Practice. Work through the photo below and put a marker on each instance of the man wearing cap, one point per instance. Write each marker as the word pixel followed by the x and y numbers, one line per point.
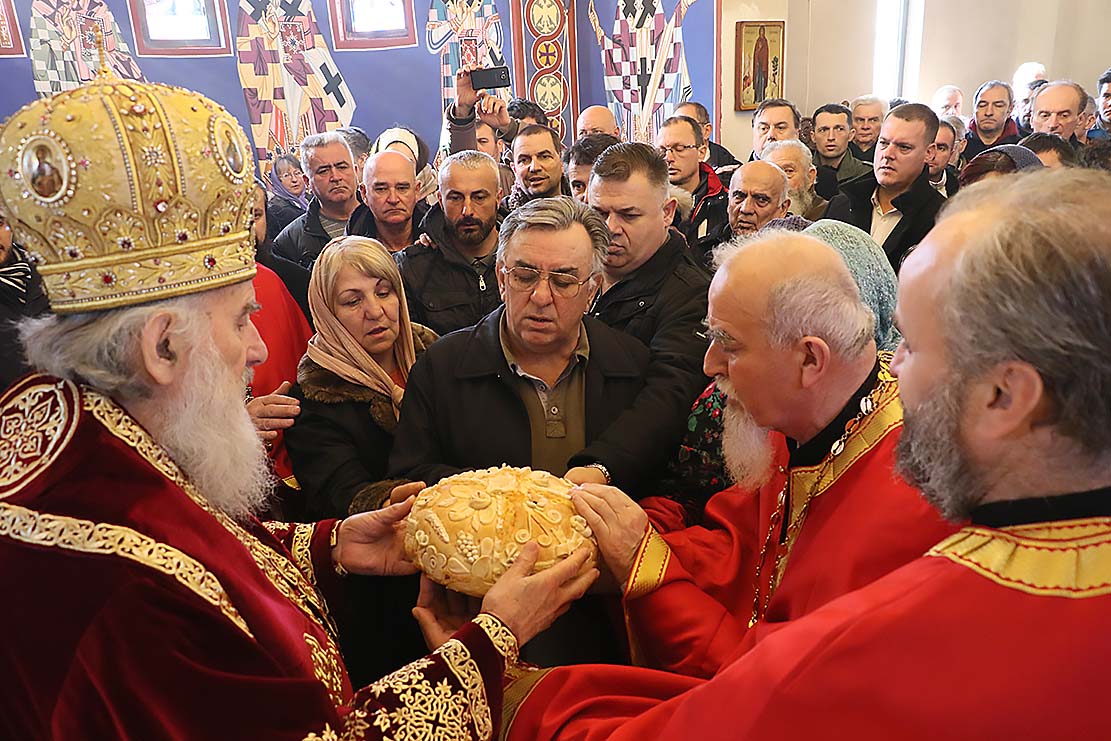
pixel 151 601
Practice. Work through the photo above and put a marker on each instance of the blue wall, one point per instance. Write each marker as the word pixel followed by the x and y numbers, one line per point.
pixel 390 86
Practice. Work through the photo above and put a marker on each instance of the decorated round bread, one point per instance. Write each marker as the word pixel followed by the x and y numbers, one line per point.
pixel 467 530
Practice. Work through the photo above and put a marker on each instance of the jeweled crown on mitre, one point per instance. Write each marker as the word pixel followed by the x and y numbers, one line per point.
pixel 126 192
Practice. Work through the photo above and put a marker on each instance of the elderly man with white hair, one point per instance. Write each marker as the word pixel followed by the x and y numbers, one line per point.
pixel 151 601
pixel 796 161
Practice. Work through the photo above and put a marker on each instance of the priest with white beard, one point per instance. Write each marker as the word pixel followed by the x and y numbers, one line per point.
pixel 146 598
pixel 811 423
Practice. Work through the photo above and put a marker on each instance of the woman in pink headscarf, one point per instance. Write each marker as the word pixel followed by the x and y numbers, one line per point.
pixel 352 378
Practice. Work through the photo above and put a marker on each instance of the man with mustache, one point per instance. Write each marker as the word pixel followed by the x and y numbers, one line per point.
pixel 451 282
pixel 895 203
pixel 329 166
pixel 1004 378
pixel 154 603
pixel 390 210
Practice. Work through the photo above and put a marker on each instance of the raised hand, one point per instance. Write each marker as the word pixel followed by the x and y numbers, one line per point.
pixel 528 604
pixel 273 412
pixel 464 92
pixel 493 111
pixel 618 523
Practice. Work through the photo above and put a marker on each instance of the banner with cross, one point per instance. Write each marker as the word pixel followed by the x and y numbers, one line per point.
pixel 63 44
pixel 291 84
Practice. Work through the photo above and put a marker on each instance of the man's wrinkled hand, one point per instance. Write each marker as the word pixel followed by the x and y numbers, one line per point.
pixel 618 523
pixel 372 542
pixel 440 612
pixel 273 412
pixel 529 603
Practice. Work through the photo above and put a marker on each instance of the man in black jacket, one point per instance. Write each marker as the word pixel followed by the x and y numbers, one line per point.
pixel 390 210
pixel 450 277
pixel 329 167
pixel 21 296
pixel 536 383
pixel 895 203
pixel 652 289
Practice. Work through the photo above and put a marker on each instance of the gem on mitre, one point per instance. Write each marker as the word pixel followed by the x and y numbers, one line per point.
pixel 466 531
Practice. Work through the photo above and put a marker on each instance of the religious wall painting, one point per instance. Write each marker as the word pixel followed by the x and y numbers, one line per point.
pixel 63 46
pixel 180 28
pixel 758 72
pixel 372 24
pixel 644 65
pixel 11 37
pixel 463 33
pixel 292 86
pixel 544 51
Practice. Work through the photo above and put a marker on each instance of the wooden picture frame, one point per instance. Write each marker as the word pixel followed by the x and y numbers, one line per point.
pixel 11 35
pixel 181 28
pixel 758 68
pixel 347 35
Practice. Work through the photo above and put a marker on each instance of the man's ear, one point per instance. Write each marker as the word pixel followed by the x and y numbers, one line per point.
pixel 502 277
pixel 160 349
pixel 669 209
pixel 815 355
pixel 1010 401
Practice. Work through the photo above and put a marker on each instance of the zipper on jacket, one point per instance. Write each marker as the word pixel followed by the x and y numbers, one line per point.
pixel 481 283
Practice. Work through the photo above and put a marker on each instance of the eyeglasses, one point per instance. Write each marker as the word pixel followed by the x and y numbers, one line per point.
pixel 563 285
pixel 676 148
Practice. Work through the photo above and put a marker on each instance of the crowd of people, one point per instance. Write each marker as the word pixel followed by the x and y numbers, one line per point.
pixel 837 414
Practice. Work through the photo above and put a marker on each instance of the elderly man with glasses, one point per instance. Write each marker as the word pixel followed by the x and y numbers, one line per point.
pixel 535 383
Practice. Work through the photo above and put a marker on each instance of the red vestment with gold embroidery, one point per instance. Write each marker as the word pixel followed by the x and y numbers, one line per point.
pixel 137 611
pixel 994 634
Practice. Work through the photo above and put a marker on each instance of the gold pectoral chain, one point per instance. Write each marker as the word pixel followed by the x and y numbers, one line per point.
pixel 867 406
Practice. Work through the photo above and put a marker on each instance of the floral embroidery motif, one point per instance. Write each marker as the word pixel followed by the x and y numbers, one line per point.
pixel 327 666
pixel 501 636
pixel 98 538
pixel 36 423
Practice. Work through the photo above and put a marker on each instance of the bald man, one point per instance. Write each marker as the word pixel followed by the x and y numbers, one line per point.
pixel 597 119
pixel 811 424
pixel 390 210
pixel 758 193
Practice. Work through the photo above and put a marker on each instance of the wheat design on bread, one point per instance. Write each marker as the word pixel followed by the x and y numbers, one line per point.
pixel 466 530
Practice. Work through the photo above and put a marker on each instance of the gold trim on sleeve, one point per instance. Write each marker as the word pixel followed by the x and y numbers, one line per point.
pixel 98 538
pixel 302 554
pixel 1069 559
pixel 37 421
pixel 520 682
pixel 649 565
pixel 500 635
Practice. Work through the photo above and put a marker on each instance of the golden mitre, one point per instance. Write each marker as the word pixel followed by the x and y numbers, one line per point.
pixel 465 531
pixel 125 192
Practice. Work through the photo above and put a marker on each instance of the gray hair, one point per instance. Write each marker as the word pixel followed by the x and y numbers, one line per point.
pixel 960 129
pixel 684 200
pixel 803 156
pixel 826 305
pixel 1081 94
pixel 101 348
pixel 469 159
pixel 867 100
pixel 1035 287
pixel 314 142
pixel 556 215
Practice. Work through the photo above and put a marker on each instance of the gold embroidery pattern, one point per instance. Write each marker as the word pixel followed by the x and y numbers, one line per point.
pixel 649 566
pixel 328 668
pixel 302 555
pixel 501 636
pixel 278 569
pixel 98 538
pixel 520 682
pixel 277 529
pixel 1063 559
pixel 435 712
pixel 355 726
pixel 37 421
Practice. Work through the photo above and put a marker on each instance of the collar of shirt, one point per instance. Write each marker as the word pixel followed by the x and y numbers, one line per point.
pixel 580 354
pixel 876 205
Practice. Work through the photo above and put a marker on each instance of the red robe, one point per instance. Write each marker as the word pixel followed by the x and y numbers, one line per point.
pixel 283 328
pixel 135 611
pixel 693 592
pixel 994 634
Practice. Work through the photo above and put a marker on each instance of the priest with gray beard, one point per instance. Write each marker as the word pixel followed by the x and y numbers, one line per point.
pixel 150 602
pixel 811 423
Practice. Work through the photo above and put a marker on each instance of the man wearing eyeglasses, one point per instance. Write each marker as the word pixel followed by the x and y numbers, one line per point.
pixel 683 147
pixel 535 383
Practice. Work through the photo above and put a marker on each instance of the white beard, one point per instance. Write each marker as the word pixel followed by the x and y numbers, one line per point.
pixel 209 434
pixel 745 445
pixel 801 201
